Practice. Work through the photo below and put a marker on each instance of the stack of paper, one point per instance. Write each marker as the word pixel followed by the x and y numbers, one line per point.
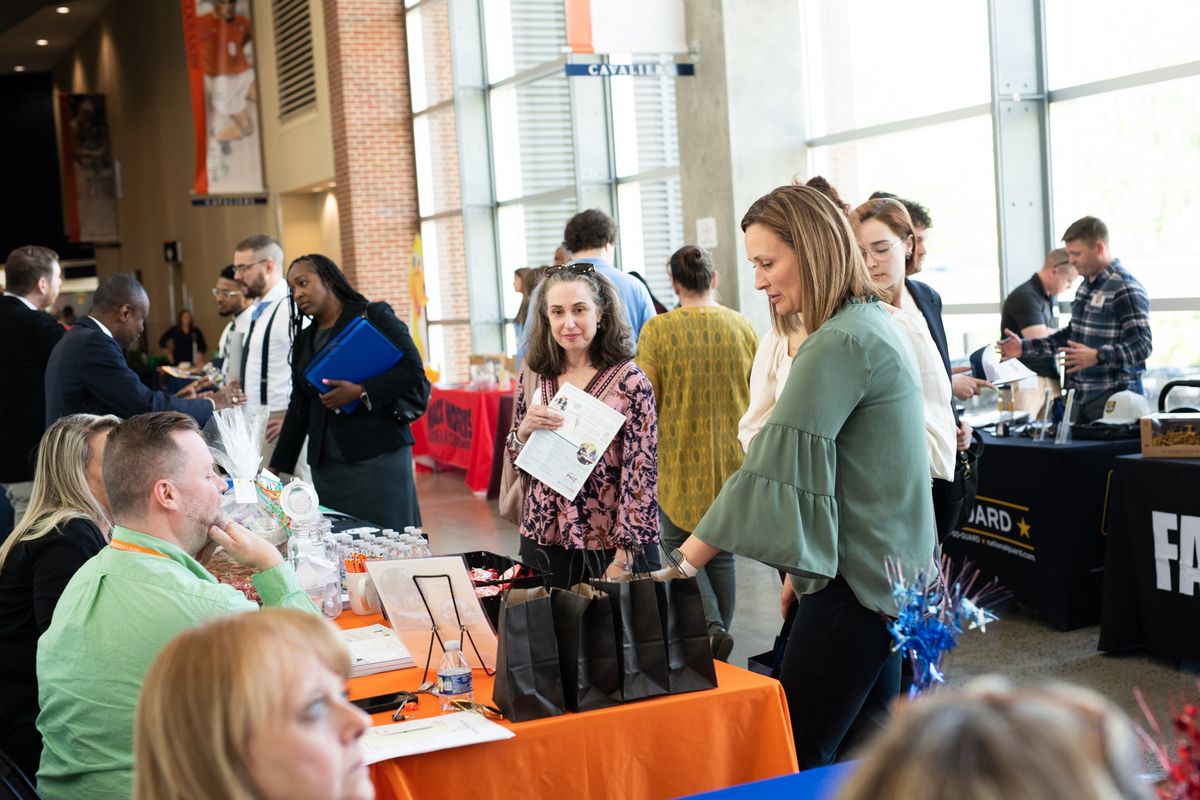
pixel 375 648
pixel 428 735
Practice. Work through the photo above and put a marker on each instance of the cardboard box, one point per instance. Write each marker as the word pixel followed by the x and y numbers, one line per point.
pixel 1171 435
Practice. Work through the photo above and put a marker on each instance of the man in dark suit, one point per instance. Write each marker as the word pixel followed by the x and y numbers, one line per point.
pixel 87 372
pixel 27 335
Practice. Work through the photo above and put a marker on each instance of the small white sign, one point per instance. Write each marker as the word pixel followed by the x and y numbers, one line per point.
pixel 706 232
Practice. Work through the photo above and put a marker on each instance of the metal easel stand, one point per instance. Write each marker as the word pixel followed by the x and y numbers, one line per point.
pixel 433 628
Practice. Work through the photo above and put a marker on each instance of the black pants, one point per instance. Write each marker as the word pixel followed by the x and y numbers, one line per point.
pixel 569 567
pixel 22 742
pixel 839 674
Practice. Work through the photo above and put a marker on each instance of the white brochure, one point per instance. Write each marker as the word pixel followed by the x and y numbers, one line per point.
pixel 564 458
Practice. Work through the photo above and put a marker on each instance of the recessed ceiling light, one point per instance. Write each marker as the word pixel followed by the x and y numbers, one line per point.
pixel 18 68
pixel 42 42
pixel 63 10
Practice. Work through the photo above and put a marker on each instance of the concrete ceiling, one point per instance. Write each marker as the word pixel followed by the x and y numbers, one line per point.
pixel 23 22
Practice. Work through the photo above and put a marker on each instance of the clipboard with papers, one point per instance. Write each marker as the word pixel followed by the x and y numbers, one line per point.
pixel 359 352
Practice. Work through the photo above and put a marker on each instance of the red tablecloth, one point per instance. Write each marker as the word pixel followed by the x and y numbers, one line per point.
pixel 661 748
pixel 459 429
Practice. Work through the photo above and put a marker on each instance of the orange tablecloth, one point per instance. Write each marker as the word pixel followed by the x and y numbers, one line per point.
pixel 459 429
pixel 667 747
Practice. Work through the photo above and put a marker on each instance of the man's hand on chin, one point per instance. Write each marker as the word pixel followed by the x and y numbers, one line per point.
pixel 245 546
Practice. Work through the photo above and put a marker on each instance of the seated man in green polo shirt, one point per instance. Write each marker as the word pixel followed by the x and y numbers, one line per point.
pixel 127 602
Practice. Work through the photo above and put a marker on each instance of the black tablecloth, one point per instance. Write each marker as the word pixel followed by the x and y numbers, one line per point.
pixel 1037 524
pixel 1152 572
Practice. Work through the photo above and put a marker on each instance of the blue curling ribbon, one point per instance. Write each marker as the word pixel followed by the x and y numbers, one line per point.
pixel 933 611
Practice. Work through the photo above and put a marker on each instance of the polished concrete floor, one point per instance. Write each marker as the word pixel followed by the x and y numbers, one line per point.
pixel 1019 646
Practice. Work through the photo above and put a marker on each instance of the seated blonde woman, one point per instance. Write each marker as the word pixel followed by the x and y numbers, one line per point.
pixel 251 707
pixel 66 524
pixel 993 741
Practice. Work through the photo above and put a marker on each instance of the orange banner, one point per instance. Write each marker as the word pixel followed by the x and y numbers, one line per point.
pixel 218 38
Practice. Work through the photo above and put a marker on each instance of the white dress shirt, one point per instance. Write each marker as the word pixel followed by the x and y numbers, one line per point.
pixel 30 305
pixel 279 370
pixel 772 364
pixel 103 327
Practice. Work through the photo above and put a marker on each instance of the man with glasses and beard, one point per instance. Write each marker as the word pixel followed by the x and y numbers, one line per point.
pixel 231 303
pixel 266 374
pixel 124 605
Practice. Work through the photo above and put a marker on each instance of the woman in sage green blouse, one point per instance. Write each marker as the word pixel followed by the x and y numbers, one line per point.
pixel 836 482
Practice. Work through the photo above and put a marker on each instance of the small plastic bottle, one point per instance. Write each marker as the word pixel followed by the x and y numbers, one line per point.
pixel 454 677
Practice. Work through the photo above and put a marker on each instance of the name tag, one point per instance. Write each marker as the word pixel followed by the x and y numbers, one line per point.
pixel 1097 300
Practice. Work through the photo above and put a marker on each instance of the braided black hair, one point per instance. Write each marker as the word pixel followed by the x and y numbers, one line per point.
pixel 333 278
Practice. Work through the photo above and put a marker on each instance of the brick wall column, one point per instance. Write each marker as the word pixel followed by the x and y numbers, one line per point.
pixel 373 156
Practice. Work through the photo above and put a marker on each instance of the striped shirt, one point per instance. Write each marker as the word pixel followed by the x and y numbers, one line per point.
pixel 1112 314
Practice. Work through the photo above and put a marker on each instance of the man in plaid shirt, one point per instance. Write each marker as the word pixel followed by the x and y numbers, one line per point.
pixel 1107 341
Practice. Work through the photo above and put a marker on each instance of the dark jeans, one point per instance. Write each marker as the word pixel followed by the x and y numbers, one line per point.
pixel 839 674
pixel 569 567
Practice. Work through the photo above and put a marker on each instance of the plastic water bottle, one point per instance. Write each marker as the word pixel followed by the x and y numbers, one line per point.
pixel 454 677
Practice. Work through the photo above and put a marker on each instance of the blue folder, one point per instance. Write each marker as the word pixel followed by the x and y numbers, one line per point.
pixel 359 352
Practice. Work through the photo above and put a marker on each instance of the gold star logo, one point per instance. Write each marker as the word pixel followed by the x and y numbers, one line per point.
pixel 1024 527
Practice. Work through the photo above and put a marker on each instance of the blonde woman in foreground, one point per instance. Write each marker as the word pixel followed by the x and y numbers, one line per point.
pixel 66 524
pixel 251 707
pixel 993 742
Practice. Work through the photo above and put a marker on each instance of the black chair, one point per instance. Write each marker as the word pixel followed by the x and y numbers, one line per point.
pixel 14 785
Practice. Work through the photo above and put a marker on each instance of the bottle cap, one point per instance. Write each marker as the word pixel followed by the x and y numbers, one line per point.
pixel 452 644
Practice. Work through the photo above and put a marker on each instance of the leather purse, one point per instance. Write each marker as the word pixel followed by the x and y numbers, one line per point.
pixel 514 483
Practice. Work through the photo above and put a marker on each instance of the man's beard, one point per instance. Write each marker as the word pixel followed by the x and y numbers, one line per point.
pixel 255 290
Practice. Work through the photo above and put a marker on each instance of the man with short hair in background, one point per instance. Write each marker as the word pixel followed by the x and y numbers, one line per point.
pixel 1107 341
pixel 232 303
pixel 28 335
pixel 87 372
pixel 1032 308
pixel 266 374
pixel 123 606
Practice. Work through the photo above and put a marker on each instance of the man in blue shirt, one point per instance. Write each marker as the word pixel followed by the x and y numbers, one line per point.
pixel 1107 341
pixel 591 236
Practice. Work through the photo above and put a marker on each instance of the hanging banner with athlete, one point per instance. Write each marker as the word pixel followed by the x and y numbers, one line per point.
pixel 220 57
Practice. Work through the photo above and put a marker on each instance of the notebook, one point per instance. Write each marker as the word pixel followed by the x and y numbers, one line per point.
pixel 359 352
pixel 375 648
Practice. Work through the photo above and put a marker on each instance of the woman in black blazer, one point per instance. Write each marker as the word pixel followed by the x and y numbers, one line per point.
pixel 361 461
pixel 66 524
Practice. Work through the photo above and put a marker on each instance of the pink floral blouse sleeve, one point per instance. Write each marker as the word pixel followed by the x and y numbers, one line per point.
pixel 618 504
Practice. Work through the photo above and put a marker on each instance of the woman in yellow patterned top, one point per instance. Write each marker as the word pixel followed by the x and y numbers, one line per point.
pixel 698 358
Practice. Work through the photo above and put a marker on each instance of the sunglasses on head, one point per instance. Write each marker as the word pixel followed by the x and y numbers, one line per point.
pixel 578 268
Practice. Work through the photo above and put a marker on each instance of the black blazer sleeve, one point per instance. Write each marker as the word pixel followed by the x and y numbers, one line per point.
pixel 56 557
pixel 109 379
pixel 384 389
pixel 296 421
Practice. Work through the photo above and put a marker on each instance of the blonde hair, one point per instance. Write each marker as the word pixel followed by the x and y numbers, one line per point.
pixel 210 691
pixel 831 267
pixel 60 487
pixel 993 742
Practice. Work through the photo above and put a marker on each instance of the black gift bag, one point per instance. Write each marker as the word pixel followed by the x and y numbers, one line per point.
pixel 528 681
pixel 639 608
pixel 689 653
pixel 587 648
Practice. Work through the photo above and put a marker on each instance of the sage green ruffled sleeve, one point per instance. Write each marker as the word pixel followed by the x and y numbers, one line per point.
pixel 780 508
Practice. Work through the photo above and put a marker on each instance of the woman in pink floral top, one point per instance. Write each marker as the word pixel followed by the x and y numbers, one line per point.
pixel 579 334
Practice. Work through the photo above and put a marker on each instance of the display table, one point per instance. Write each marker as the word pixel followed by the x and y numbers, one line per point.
pixel 1151 581
pixel 1037 524
pixel 661 748
pixel 459 429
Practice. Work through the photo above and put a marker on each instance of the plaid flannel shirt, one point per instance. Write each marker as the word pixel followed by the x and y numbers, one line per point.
pixel 1111 313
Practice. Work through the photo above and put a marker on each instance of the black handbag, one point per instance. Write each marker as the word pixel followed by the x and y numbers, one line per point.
pixel 959 497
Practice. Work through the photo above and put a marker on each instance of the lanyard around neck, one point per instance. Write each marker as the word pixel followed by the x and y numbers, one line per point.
pixel 128 547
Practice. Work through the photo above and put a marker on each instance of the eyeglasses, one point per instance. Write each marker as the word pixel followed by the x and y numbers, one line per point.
pixel 226 293
pixel 578 268
pixel 251 265
pixel 880 249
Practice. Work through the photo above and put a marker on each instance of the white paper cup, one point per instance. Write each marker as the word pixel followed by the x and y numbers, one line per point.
pixel 364 599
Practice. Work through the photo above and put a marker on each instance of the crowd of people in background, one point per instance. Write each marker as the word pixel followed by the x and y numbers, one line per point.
pixel 787 449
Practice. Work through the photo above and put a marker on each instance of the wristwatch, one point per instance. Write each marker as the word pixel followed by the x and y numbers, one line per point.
pixel 1102 354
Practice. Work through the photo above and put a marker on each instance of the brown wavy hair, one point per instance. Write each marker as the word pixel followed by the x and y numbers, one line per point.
pixel 893 214
pixel 613 343
pixel 832 270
